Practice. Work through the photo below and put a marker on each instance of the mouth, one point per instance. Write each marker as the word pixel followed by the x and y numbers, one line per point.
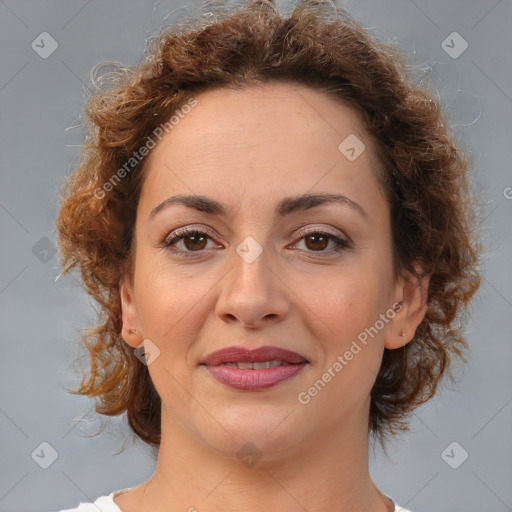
pixel 256 365
pixel 252 370
pixel 238 355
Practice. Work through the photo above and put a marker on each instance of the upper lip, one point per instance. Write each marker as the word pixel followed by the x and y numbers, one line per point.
pixel 239 354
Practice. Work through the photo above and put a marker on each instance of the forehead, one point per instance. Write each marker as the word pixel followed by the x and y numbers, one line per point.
pixel 262 140
pixel 234 117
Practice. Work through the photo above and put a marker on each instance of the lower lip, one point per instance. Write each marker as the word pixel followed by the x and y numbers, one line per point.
pixel 253 380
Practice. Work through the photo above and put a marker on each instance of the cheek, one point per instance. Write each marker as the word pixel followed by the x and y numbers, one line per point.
pixel 346 301
pixel 351 354
pixel 167 302
pixel 169 305
pixel 165 291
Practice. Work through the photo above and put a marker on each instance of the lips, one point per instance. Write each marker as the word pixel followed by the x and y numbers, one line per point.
pixel 237 354
pixel 254 370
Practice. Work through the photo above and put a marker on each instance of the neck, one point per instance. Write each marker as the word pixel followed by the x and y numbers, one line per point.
pixel 323 474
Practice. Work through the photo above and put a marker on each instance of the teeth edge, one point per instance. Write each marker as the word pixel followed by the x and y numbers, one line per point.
pixel 260 365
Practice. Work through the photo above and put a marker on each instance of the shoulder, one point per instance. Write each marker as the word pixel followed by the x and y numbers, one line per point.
pixel 398 508
pixel 101 504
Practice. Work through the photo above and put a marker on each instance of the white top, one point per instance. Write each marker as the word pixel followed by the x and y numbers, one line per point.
pixel 106 504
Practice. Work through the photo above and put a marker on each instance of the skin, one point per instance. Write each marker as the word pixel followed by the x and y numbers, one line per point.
pixel 249 149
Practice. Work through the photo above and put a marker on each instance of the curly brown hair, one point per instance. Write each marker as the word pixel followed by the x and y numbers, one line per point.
pixel 423 172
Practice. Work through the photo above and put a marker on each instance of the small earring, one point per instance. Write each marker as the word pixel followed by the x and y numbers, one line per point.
pixel 401 333
pixel 132 331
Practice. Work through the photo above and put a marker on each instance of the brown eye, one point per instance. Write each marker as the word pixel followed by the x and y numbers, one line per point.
pixel 197 241
pixel 318 241
pixel 187 241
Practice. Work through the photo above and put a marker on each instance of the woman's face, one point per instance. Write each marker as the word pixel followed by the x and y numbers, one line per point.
pixel 268 269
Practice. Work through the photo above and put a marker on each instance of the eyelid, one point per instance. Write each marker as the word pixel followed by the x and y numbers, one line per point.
pixel 315 228
pixel 302 231
pixel 187 230
pixel 342 241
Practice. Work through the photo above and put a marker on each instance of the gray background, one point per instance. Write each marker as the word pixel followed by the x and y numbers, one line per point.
pixel 40 315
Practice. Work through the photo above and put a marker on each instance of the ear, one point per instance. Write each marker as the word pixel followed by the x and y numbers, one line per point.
pixel 411 299
pixel 131 330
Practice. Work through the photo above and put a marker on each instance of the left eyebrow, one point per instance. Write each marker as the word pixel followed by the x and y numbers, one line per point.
pixel 286 206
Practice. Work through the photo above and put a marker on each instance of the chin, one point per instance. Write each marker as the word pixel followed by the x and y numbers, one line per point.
pixel 269 432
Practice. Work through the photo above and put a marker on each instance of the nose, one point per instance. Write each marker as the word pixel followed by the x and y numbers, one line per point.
pixel 252 294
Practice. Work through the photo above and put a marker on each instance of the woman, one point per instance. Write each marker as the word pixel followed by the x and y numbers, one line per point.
pixel 275 222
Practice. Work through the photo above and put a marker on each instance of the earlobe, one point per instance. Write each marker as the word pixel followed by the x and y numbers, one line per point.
pixel 130 331
pixel 413 296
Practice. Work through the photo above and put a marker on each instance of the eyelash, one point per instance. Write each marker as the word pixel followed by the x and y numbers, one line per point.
pixel 182 233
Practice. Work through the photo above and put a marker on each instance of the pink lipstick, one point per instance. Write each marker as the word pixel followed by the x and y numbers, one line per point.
pixel 253 370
